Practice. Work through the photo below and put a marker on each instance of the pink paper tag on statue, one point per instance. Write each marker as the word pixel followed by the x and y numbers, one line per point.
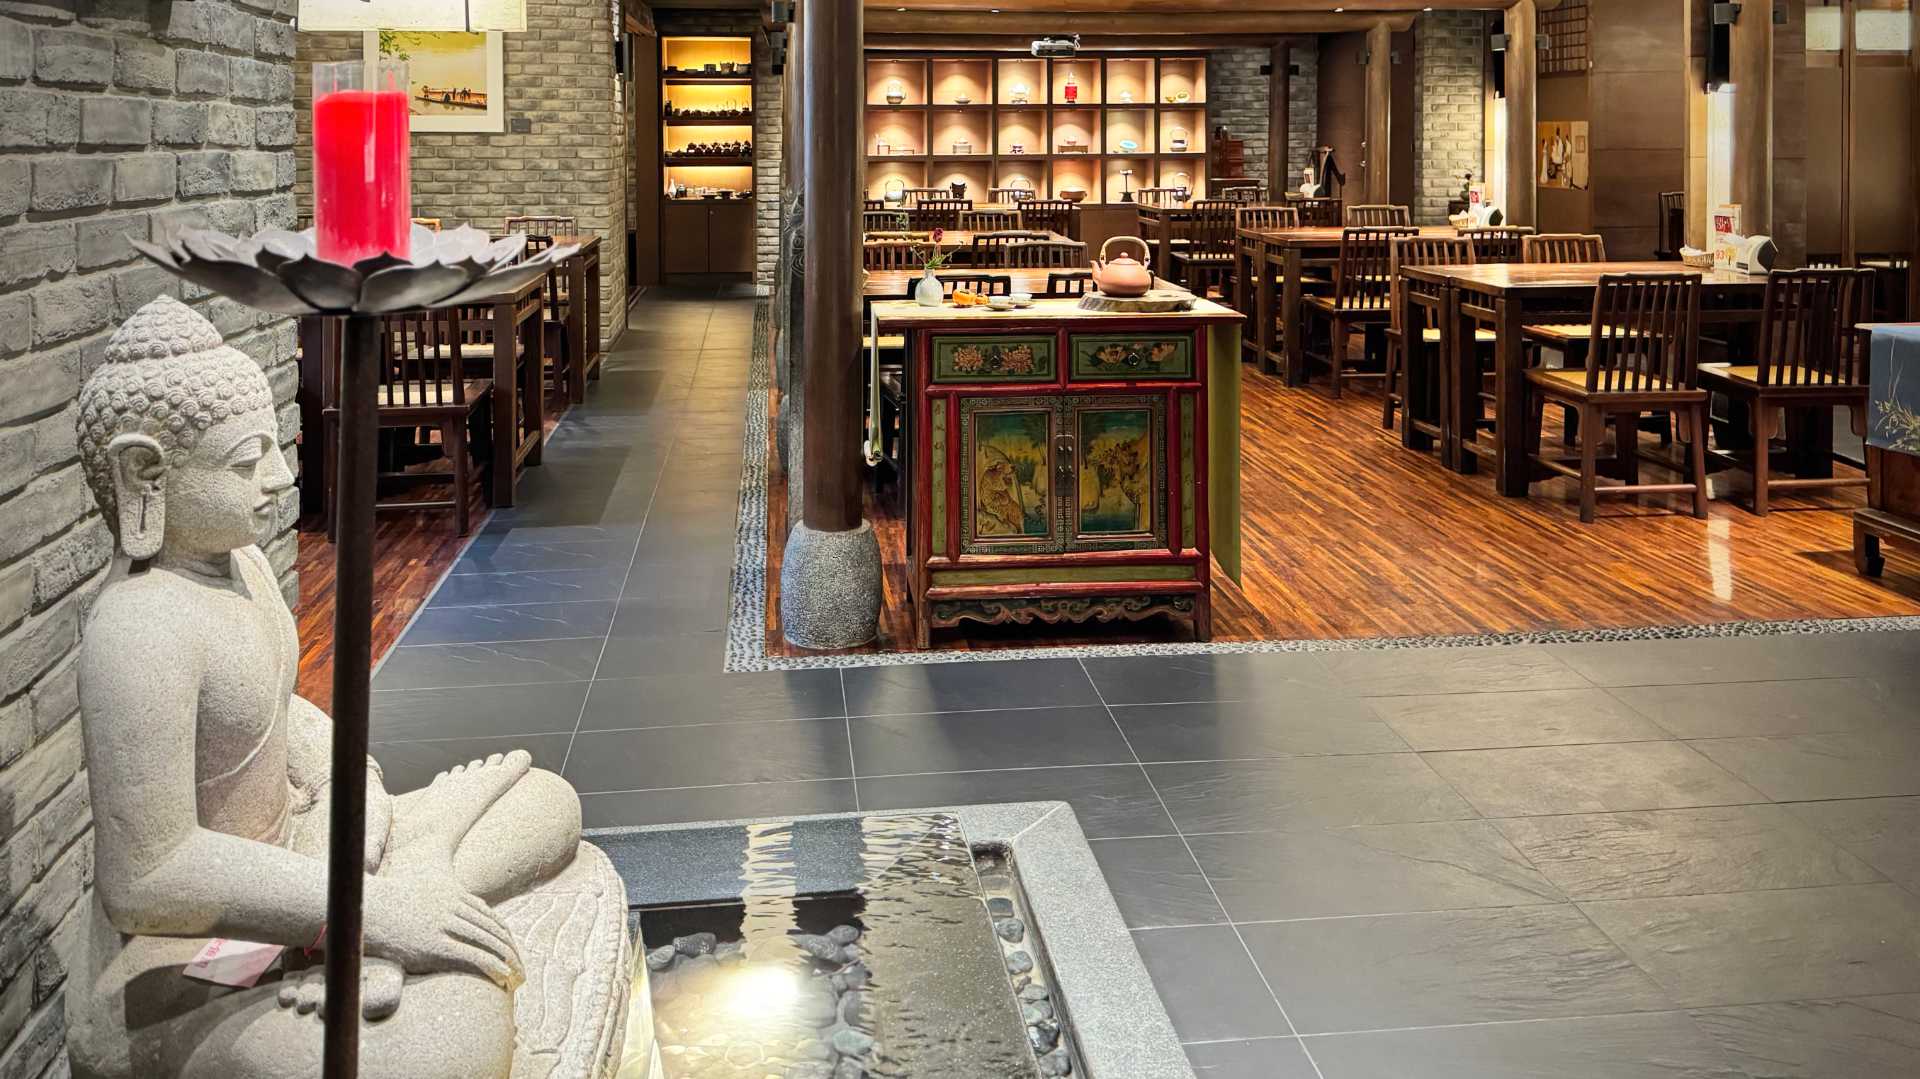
pixel 238 963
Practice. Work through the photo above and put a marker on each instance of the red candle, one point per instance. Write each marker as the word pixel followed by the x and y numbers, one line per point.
pixel 362 181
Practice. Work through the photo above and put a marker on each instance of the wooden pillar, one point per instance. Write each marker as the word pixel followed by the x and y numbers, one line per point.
pixel 1521 108
pixel 833 95
pixel 1279 119
pixel 1379 178
pixel 1751 181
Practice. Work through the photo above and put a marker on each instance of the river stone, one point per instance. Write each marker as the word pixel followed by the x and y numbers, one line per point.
pixel 1000 907
pixel 856 976
pixel 815 1006
pixel 1043 1035
pixel 809 1069
pixel 819 947
pixel 814 1049
pixel 1036 1012
pixel 661 958
pixel 843 934
pixel 1019 963
pixel 1032 991
pixel 850 1007
pixel 1056 1063
pixel 849 1069
pixel 1011 930
pixel 695 944
pixel 853 1043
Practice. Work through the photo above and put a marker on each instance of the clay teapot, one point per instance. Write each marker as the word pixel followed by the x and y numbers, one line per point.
pixel 1125 275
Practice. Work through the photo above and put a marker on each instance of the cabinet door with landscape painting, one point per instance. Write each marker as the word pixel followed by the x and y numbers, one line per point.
pixel 1119 500
pixel 1014 462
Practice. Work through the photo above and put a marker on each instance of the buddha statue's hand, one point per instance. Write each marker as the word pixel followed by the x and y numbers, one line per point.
pixel 429 924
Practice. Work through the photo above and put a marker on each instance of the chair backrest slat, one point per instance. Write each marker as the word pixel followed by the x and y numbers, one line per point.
pixel 932 213
pixel 890 255
pixel 1379 214
pixel 1807 322
pixel 989 220
pixel 1425 251
pixel 1561 247
pixel 1009 194
pixel 421 367
pixel 1045 254
pixel 883 220
pixel 1209 227
pixel 1364 276
pixel 990 248
pixel 984 284
pixel 1644 333
pixel 1499 243
pixel 1071 283
pixel 1320 212
pixel 1267 217
pixel 1047 215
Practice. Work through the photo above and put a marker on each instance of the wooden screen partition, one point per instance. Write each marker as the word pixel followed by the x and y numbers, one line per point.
pixel 706 155
pixel 1100 124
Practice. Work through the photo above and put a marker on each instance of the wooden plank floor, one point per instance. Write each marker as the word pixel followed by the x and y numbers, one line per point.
pixel 1348 535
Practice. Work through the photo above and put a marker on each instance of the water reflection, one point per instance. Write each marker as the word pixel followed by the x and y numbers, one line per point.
pixel 900 977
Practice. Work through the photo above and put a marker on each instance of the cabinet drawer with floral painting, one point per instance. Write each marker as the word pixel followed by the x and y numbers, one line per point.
pixel 1063 465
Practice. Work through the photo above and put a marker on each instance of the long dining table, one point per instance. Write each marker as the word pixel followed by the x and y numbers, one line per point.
pixel 898 284
pixel 1286 253
pixel 1508 297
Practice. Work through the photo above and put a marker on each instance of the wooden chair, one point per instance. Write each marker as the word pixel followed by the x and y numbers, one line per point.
pixel 1045 254
pixel 1154 196
pixel 872 221
pixel 1047 215
pixel 547 225
pixel 989 220
pixel 425 386
pixel 1644 340
pixel 1009 194
pixel 983 283
pixel 1244 193
pixel 914 196
pixel 1673 225
pixel 1319 212
pixel 891 255
pixel 1809 357
pixel 938 213
pixel 1362 294
pixel 990 248
pixel 1415 251
pixel 1072 283
pixel 1563 247
pixel 1266 217
pixel 1499 243
pixel 1205 260
pixel 1378 215
pixel 874 204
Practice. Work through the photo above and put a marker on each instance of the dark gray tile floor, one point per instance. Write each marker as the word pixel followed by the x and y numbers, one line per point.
pixel 1652 859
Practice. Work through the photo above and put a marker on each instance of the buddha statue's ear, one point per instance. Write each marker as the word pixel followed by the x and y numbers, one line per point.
pixel 139 475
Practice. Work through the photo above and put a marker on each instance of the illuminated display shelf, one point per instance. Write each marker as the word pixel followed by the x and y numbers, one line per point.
pixel 990 102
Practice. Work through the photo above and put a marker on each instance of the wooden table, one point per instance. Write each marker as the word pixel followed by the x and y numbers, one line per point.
pixel 1508 296
pixel 1169 384
pixel 898 284
pixel 519 405
pixel 582 272
pixel 1286 254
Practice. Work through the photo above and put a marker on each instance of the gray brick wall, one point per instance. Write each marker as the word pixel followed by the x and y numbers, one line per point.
pixel 559 74
pixel 1449 109
pixel 1237 99
pixel 117 118
pixel 1303 113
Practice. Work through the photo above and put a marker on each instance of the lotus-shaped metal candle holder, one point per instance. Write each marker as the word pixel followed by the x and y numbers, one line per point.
pixel 280 271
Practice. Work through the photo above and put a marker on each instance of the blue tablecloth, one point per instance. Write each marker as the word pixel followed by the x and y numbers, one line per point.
pixel 1893 395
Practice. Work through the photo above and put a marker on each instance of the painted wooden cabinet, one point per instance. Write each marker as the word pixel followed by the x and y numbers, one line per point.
pixel 1060 472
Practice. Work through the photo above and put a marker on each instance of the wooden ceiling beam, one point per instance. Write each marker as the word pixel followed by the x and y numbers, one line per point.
pixel 1192 24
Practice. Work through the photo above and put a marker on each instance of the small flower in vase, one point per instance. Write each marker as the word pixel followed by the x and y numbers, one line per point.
pixel 935 258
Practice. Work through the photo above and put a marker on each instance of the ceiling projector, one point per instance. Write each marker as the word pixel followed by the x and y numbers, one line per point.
pixel 1056 47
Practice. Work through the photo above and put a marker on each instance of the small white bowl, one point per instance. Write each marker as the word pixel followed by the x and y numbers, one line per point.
pixel 1021 299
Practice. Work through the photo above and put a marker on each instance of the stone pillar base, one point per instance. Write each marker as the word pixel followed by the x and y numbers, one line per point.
pixel 830 587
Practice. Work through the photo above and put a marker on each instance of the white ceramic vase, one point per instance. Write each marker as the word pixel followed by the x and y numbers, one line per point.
pixel 926 291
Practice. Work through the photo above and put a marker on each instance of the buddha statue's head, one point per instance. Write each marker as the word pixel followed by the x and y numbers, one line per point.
pixel 179 439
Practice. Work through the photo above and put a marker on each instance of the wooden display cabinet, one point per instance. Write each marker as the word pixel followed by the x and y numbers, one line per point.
pixel 706 96
pixel 1060 470
pixel 991 103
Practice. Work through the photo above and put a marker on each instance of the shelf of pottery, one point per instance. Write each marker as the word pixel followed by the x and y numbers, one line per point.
pixel 1092 128
pixel 706 117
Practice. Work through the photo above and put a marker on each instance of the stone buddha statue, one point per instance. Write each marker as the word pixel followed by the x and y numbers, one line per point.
pixel 495 940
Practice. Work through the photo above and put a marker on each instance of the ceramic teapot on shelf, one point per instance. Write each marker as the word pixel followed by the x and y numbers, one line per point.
pixel 1123 275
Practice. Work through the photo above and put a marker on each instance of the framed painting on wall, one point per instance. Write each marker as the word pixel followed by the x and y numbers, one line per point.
pixel 455 80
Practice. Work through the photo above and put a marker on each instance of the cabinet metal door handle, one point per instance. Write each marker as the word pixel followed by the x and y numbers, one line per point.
pixel 1063 456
